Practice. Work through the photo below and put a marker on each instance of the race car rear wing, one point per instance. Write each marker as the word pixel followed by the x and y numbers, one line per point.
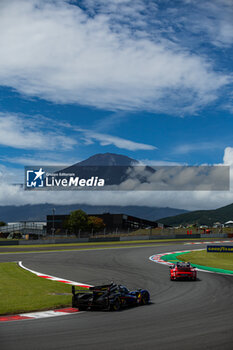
pixel 79 291
pixel 104 287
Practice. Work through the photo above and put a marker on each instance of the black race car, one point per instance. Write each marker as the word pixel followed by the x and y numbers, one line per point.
pixel 109 297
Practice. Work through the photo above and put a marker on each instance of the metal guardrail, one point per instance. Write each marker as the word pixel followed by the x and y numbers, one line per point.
pixel 24 228
pixel 56 240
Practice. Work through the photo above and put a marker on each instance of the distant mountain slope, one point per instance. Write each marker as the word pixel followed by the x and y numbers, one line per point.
pixel 201 217
pixel 102 159
pixel 108 159
pixel 38 212
pixel 109 166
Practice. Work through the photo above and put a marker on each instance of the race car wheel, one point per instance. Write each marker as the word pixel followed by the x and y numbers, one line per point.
pixel 82 308
pixel 144 299
pixel 116 305
pixel 74 302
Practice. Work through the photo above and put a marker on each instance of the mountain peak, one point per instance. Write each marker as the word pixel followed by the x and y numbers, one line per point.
pixel 108 159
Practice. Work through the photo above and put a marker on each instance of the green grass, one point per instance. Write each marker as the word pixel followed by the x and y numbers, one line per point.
pixel 21 291
pixel 216 260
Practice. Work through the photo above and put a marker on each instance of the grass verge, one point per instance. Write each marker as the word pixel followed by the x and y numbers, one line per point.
pixel 217 260
pixel 21 291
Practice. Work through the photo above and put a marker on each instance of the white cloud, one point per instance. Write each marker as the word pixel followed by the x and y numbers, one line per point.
pixel 215 19
pixel 104 57
pixel 194 147
pixel 37 159
pixel 159 162
pixel 119 142
pixel 192 200
pixel 178 178
pixel 9 176
pixel 198 22
pixel 23 133
pixel 40 133
pixel 228 156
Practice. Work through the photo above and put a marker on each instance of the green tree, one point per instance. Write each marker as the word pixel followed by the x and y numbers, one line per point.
pixel 78 220
pixel 65 225
pixel 2 223
pixel 96 224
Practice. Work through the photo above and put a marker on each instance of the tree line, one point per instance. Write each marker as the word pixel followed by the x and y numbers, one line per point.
pixel 78 221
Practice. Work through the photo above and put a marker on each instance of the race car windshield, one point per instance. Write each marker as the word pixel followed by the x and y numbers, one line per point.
pixel 183 265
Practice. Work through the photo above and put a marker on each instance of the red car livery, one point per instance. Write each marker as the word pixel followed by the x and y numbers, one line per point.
pixel 183 270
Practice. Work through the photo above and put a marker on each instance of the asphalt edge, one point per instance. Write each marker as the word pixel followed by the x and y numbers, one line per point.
pixel 53 278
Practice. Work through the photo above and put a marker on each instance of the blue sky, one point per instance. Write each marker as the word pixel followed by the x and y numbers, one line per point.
pixel 148 79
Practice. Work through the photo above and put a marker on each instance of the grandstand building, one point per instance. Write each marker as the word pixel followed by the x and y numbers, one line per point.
pixel 113 223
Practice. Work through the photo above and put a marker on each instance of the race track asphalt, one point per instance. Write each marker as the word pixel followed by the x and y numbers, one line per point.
pixel 182 315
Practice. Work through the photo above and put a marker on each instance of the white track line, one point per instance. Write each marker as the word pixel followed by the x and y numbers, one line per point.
pixel 208 242
pixel 53 278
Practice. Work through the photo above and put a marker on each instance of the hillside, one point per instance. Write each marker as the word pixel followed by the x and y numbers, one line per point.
pixel 38 212
pixel 201 217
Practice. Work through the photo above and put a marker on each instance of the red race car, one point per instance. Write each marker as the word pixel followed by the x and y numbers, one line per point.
pixel 183 270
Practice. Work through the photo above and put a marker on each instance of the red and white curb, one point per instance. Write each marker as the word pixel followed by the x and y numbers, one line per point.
pixel 158 257
pixel 39 314
pixel 48 313
pixel 52 278
pixel 208 242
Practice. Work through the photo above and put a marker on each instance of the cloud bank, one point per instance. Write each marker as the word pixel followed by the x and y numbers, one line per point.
pixel 40 133
pixel 105 140
pixel 191 200
pixel 111 55
pixel 26 133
